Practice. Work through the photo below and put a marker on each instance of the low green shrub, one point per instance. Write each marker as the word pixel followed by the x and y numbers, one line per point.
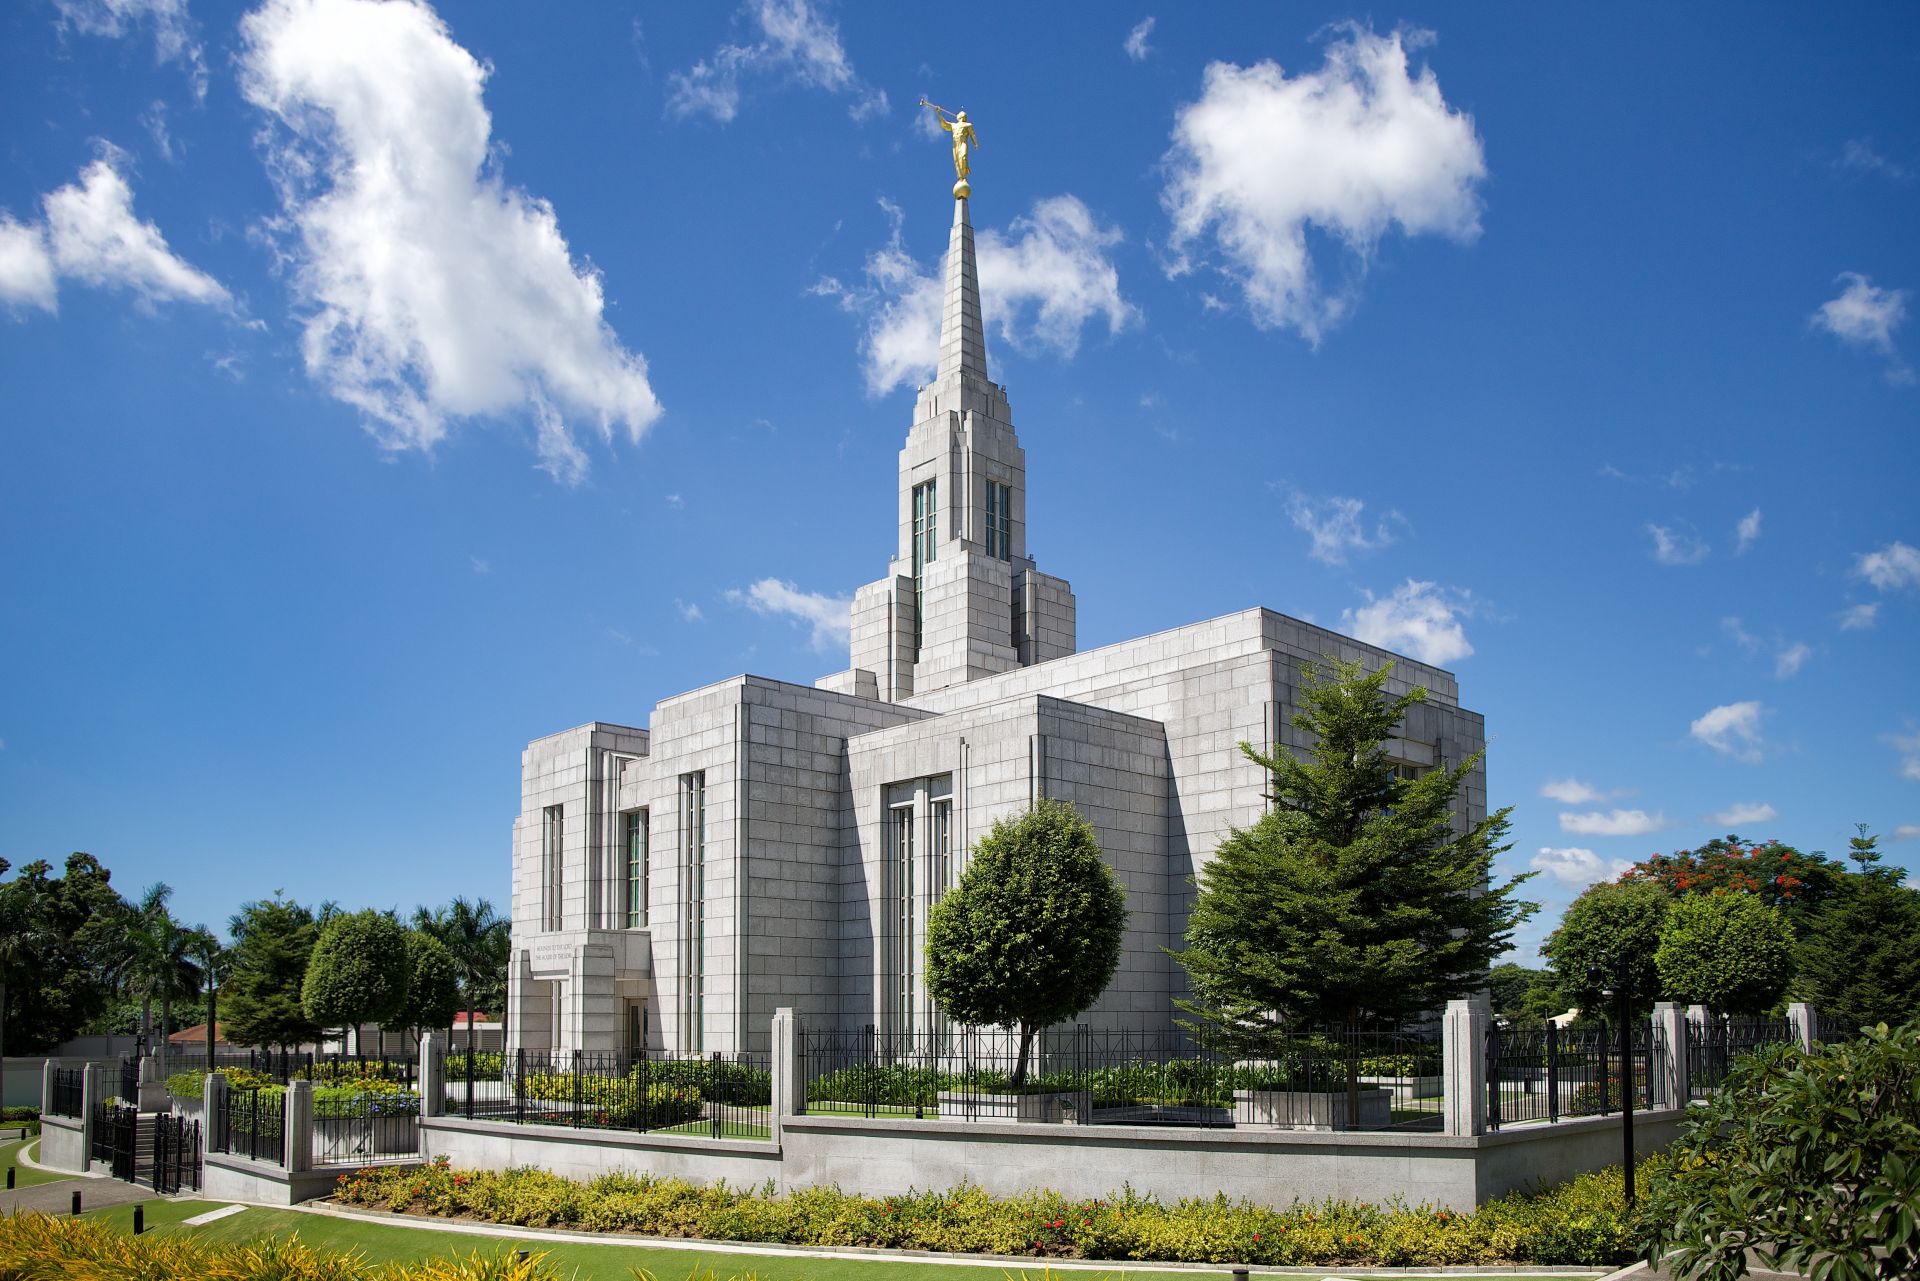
pixel 1580 1223
pixel 488 1065
pixel 613 1102
pixel 27 1118
pixel 190 1084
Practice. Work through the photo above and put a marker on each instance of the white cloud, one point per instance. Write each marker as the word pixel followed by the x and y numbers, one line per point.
pixel 1791 659
pixel 1893 567
pixel 1352 149
pixel 90 234
pixel 1904 832
pixel 1676 546
pixel 1908 747
pixel 1041 284
pixel 1419 619
pixel 1866 316
pixel 1732 729
pixel 479 565
pixel 1859 155
pixel 1337 529
pixel 829 617
pixel 1747 532
pixel 1742 815
pixel 1741 636
pixel 1136 43
pixel 1859 618
pixel 1612 823
pixel 174 36
pixel 27 275
pixel 796 44
pixel 1572 791
pixel 689 612
pixel 430 291
pixel 1576 867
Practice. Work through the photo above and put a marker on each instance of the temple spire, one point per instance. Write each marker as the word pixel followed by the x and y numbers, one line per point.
pixel 963 342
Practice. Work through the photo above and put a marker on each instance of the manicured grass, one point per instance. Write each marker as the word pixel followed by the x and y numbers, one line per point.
pixel 728 1130
pixel 24 1177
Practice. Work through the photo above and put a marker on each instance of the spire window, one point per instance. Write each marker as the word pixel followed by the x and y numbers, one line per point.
pixel 999 520
pixel 926 544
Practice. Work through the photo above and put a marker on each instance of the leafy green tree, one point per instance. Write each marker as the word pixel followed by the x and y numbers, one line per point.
pixel 157 961
pixel 358 972
pixel 1811 1161
pixel 1729 952
pixel 480 940
pixel 1606 923
pixel 433 987
pixel 1859 960
pixel 1031 934
pixel 55 963
pixel 1355 898
pixel 272 943
pixel 1777 874
pixel 1521 995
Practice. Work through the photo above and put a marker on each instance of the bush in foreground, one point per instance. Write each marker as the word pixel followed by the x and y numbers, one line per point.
pixel 1578 1223
pixel 1811 1160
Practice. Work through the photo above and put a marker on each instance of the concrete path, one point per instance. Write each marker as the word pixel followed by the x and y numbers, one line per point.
pixel 57 1197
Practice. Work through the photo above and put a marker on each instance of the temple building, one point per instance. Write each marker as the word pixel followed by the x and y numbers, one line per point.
pixel 761 844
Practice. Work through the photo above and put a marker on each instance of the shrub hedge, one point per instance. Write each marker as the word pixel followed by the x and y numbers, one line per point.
pixel 1579 1223
pixel 614 1101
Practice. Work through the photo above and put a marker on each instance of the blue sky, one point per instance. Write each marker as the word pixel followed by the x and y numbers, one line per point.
pixel 387 388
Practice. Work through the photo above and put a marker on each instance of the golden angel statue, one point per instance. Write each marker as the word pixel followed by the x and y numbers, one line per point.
pixel 957 124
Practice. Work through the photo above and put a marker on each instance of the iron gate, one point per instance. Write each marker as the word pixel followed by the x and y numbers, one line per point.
pixel 176 1154
pixel 115 1131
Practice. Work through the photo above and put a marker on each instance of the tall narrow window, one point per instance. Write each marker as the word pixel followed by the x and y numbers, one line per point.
pixel 900 861
pixel 999 520
pixel 926 544
pixel 940 839
pixel 552 835
pixel 637 886
pixel 693 890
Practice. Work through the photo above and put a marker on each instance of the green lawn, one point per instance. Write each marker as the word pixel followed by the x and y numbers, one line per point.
pixel 385 1242
pixel 23 1177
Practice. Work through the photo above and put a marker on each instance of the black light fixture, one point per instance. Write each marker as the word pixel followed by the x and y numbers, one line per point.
pixel 1621 994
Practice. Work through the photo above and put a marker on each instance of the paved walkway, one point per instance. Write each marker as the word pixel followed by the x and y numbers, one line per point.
pixel 57 1197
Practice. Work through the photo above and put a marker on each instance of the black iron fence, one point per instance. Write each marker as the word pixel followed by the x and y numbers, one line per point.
pixel 285 1066
pixel 721 1096
pixel 1712 1046
pixel 1831 1029
pixel 250 1123
pixel 69 1092
pixel 176 1154
pixel 1328 1080
pixel 116 1129
pixel 130 1079
pixel 1548 1073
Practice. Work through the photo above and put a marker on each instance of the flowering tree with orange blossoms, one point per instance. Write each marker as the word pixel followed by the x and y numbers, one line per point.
pixel 1778 874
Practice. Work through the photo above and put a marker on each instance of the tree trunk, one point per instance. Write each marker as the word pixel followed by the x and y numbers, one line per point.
pixel 213 1012
pixel 1019 1077
pixel 166 1029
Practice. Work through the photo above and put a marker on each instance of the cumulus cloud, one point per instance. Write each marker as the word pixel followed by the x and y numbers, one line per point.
pixel 91 234
pixel 1741 815
pixel 1572 791
pixel 830 618
pixel 1042 282
pixel 174 37
pixel 1676 546
pixel 1419 619
pixel 1866 316
pixel 1732 729
pixel 1860 156
pixel 1747 532
pixel 429 290
pixel 689 612
pixel 1576 867
pixel 796 44
pixel 1904 832
pixel 1890 569
pixel 1791 659
pixel 1136 43
pixel 1907 746
pixel 1612 823
pixel 1353 149
pixel 1859 618
pixel 1338 527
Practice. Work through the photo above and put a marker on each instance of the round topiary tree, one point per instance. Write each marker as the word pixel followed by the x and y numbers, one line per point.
pixel 1729 952
pixel 358 972
pixel 1031 934
pixel 1606 923
pixel 433 986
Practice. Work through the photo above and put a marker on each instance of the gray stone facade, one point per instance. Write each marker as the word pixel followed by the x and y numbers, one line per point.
pixel 763 845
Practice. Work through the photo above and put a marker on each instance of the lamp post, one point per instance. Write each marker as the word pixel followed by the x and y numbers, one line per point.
pixel 1621 992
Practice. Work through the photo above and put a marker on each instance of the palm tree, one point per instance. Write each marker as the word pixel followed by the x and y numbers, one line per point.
pixel 215 962
pixel 158 961
pixel 480 940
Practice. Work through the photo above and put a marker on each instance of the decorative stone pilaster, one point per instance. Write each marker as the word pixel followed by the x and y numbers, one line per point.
pixel 1670 1022
pixel 789 1088
pixel 1805 1026
pixel 47 1070
pixel 1463 1044
pixel 92 1091
pixel 153 1088
pixel 213 1108
pixel 299 1126
pixel 433 1075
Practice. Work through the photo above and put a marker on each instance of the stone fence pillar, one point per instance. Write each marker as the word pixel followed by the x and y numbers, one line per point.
pixel 1805 1027
pixel 93 1090
pixel 153 1088
pixel 1670 1026
pixel 1463 1046
pixel 299 1127
pixel 433 1075
pixel 789 1089
pixel 213 1109
pixel 47 1069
